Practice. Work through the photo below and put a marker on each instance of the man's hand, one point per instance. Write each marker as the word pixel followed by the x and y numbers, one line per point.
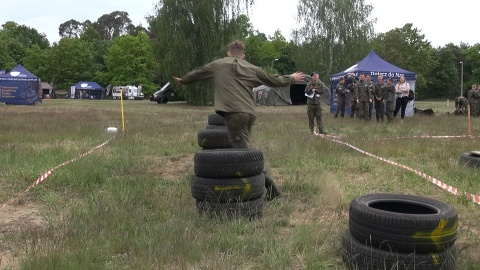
pixel 178 81
pixel 299 76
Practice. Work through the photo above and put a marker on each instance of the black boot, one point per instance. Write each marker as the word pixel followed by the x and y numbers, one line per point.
pixel 272 190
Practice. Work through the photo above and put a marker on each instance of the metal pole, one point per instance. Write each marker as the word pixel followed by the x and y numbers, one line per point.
pixel 461 80
pixel 273 61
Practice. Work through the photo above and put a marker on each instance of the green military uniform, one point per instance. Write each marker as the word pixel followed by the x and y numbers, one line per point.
pixel 379 99
pixel 370 104
pixel 473 101
pixel 390 95
pixel 341 93
pixel 476 95
pixel 234 80
pixel 363 98
pixel 314 92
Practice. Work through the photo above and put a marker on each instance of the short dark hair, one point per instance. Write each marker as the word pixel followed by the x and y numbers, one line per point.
pixel 236 48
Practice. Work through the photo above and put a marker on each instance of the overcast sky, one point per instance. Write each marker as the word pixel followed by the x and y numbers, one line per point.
pixel 441 23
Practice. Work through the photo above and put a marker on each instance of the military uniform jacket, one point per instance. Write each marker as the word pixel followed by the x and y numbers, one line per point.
pixel 363 91
pixel 320 89
pixel 234 80
pixel 473 96
pixel 380 91
pixel 341 92
pixel 389 92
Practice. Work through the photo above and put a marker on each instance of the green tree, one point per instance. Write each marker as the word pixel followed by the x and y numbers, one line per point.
pixel 25 35
pixel 471 67
pixel 113 25
pixel 190 33
pixel 334 33
pixel 443 76
pixel 37 62
pixel 6 60
pixel 130 61
pixel 70 29
pixel 71 61
pixel 407 48
pixel 253 45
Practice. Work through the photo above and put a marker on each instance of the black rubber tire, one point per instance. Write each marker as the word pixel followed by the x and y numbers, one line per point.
pixel 469 160
pixel 215 119
pixel 249 209
pixel 215 127
pixel 228 190
pixel 213 138
pixel 228 163
pixel 359 256
pixel 403 223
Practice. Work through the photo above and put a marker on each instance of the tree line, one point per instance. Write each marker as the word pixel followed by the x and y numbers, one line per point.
pixel 185 34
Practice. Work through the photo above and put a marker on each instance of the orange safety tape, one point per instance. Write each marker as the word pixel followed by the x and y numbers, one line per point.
pixel 45 175
pixel 453 190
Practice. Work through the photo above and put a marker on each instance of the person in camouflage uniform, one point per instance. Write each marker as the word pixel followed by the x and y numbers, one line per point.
pixel 368 80
pixel 350 86
pixel 460 105
pixel 472 100
pixel 341 93
pixel 362 93
pixel 389 90
pixel 379 97
pixel 314 91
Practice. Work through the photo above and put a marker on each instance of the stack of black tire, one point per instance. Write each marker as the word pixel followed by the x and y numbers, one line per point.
pixel 393 231
pixel 471 159
pixel 228 182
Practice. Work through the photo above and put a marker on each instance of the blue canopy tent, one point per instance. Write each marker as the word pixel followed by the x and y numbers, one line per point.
pixel 20 87
pixel 88 90
pixel 374 65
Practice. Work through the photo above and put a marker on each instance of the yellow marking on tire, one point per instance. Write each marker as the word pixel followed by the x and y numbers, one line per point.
pixel 437 234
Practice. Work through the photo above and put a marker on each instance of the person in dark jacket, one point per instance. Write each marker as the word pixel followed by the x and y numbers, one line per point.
pixel 379 98
pixel 341 93
pixel 389 90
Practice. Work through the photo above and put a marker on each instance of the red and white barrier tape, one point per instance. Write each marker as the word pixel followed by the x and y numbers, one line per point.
pixel 45 175
pixel 426 137
pixel 453 190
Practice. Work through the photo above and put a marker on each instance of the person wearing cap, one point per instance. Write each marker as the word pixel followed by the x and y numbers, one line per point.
pixel 314 91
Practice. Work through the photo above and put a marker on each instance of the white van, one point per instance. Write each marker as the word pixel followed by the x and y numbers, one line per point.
pixel 128 91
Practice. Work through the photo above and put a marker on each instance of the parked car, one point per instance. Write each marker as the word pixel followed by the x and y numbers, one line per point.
pixel 166 94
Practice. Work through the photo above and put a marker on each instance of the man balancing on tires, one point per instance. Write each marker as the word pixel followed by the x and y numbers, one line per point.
pixel 234 80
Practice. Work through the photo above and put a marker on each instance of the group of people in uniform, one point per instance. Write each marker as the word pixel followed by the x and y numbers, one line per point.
pixel 473 100
pixel 366 95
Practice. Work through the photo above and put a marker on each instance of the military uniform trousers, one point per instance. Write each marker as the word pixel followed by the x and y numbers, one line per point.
pixel 239 128
pixel 314 111
pixel 363 108
pixel 389 109
pixel 379 109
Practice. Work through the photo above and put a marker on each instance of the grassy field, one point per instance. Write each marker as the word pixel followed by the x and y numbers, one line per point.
pixel 128 205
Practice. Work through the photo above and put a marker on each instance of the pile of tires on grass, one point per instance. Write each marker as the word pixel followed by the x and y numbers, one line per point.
pixel 471 159
pixel 393 231
pixel 228 182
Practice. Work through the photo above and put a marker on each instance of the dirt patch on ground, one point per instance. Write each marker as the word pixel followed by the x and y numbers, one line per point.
pixel 170 168
pixel 13 218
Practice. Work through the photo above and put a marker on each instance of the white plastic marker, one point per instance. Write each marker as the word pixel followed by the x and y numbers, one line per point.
pixel 112 130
